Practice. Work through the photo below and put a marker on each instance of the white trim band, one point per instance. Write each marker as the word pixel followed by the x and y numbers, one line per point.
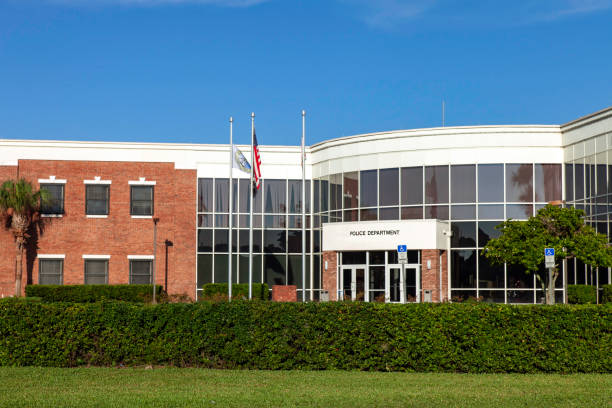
pixel 141 257
pixel 50 256
pixel 97 180
pixel 51 215
pixel 142 182
pixel 142 216
pixel 51 180
pixel 96 256
pixel 96 216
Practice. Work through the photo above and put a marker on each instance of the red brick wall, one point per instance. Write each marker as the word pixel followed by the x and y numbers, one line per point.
pixel 284 293
pixel 329 275
pixel 7 245
pixel 119 235
pixel 430 278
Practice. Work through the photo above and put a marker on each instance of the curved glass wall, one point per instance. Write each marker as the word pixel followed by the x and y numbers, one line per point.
pixel 474 198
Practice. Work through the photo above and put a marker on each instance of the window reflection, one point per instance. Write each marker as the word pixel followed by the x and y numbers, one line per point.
pixel 274 191
pixel 351 190
pixel 369 188
pixel 205 192
pixel 519 183
pixel 388 183
pixel 548 182
pixel 463 269
pixel 490 183
pixel 412 185
pixel 463 184
pixel 436 184
pixel 335 191
pixel 222 195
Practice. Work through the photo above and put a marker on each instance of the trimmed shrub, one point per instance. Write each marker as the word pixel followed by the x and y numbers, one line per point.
pixel 581 294
pixel 92 293
pixel 473 338
pixel 239 291
pixel 606 294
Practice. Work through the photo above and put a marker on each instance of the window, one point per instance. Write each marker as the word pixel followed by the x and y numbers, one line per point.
pixel 141 200
pixel 96 271
pixel 96 199
pixel 140 272
pixel 50 271
pixel 55 203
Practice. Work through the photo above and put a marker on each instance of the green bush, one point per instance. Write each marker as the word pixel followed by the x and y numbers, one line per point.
pixel 91 293
pixel 581 294
pixel 606 294
pixel 239 290
pixel 473 338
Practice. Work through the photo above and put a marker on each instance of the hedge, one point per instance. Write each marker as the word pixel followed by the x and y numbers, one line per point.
pixel 472 338
pixel 606 294
pixel 239 290
pixel 91 293
pixel 581 294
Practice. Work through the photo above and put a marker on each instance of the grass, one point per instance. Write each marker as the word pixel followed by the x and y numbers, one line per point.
pixel 186 387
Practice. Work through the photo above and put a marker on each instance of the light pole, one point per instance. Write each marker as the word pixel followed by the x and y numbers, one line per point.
pixel 155 221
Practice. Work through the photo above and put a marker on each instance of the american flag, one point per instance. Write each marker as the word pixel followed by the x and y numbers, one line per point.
pixel 257 160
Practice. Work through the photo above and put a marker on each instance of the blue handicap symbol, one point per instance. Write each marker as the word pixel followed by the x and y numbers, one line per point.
pixel 401 248
pixel 549 251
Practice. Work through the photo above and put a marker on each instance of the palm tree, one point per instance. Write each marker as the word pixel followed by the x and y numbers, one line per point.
pixel 20 204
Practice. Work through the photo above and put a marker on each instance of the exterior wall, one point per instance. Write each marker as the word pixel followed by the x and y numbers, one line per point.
pixel 118 235
pixel 7 245
pixel 430 277
pixel 329 276
pixel 284 293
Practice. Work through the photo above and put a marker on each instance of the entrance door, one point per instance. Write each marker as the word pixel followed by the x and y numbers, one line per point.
pixel 395 284
pixel 353 282
pixel 411 281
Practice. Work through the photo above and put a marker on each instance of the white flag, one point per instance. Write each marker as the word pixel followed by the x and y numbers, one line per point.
pixel 239 161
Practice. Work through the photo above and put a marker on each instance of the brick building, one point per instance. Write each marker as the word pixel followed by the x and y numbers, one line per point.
pixel 437 192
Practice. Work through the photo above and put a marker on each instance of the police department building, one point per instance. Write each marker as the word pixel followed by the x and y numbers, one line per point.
pixel 439 191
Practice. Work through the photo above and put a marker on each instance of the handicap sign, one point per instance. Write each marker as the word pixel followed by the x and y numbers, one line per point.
pixel 549 257
pixel 401 248
pixel 547 251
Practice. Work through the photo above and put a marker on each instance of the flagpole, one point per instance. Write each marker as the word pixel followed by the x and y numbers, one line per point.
pixel 251 210
pixel 303 209
pixel 231 162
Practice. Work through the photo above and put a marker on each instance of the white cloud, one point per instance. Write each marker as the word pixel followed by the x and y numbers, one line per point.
pixel 389 13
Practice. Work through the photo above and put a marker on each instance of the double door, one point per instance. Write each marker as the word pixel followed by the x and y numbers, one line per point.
pixel 401 283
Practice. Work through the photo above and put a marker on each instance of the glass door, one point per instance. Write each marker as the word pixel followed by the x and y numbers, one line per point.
pixel 395 284
pixel 411 285
pixel 353 283
pixel 359 279
pixel 347 279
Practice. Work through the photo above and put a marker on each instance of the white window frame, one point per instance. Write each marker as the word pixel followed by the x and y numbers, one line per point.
pixel 142 181
pixel 96 181
pixel 52 257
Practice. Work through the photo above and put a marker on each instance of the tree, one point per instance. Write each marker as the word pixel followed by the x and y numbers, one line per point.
pixel 20 205
pixel 523 243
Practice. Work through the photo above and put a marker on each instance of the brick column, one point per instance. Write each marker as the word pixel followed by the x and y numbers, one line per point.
pixel 330 275
pixel 430 278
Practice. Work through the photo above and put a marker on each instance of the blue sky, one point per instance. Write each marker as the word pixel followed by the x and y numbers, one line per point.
pixel 175 70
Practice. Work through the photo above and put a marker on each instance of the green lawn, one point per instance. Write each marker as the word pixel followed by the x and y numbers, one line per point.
pixel 172 387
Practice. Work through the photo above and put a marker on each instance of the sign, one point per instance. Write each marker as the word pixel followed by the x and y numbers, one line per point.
pixel 402 254
pixel 549 257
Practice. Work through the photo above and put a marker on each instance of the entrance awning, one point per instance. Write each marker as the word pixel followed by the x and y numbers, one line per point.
pixel 384 235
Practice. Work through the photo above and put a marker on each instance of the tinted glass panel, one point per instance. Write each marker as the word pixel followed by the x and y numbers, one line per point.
pixel 489 275
pixel 295 196
pixel 490 183
pixel 275 191
pixel 518 278
pixel 463 212
pixel 377 257
pixel 221 195
pixel 569 182
pixel 244 200
pixel 221 240
pixel 274 269
pixel 335 192
pixel 204 269
pixel 316 196
pixel 412 185
pixel 221 265
pixel 351 190
pixel 412 213
pixel 519 182
pixel 579 181
pixel 324 195
pixel 464 234
pixel 294 241
pixel 491 212
pixel 602 179
pixel 351 215
pixel 518 211
pixel 369 214
pixel 548 182
pixel 486 231
pixel 369 188
pixel 205 193
pixel 205 240
pixel 274 241
pixel 389 213
pixel 388 184
pixel 463 184
pixel 55 201
pixel 294 272
pixel 439 212
pixel 436 184
pixel 463 269
pixel 353 258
